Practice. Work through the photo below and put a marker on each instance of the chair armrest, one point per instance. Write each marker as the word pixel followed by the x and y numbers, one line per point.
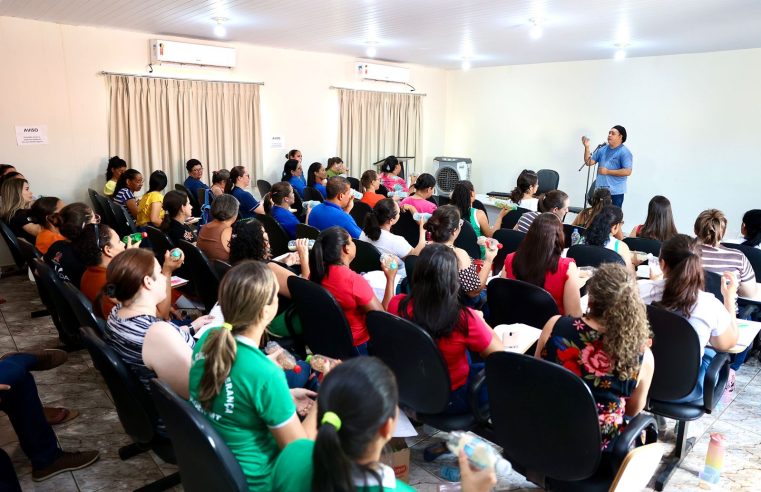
pixel 630 438
pixel 481 414
pixel 715 380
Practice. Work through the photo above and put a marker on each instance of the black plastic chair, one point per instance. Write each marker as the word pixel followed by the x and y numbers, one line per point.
pixel 407 228
pixel 512 217
pixel 477 204
pixel 97 206
pixel 326 330
pixel 422 375
pixel 753 255
pixel 354 183
pixel 68 326
pixel 311 193
pixel 359 211
pixel 133 405
pixel 646 245
pixel 515 301
pixel 594 256
pixel 676 351
pixel 220 268
pixel 107 217
pixel 12 242
pixel 532 402
pixel 548 180
pixel 124 223
pixel 467 240
pixel 193 199
pixel 277 235
pixel 204 278
pixel 307 231
pixel 82 308
pixel 510 240
pixel 204 459
pixel 713 284
pixel 568 233
pixel 30 253
pixel 367 258
pixel 263 186
pixel 160 242
pixel 443 200
pixel 382 190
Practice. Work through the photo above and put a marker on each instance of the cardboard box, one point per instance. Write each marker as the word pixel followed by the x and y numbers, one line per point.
pixel 397 456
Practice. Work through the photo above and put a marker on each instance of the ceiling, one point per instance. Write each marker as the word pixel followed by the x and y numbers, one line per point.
pixel 438 33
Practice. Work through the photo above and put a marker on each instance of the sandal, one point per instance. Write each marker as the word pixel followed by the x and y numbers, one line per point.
pixel 59 415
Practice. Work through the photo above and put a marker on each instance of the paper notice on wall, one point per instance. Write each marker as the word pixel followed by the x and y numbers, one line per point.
pixel 32 135
pixel 277 142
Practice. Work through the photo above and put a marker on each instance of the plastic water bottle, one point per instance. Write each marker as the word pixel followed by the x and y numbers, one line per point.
pixel 654 265
pixel 480 453
pixel 389 261
pixel 488 242
pixel 357 195
pixel 292 244
pixel 310 203
pixel 321 363
pixel 398 187
pixel 418 216
pixel 504 204
pixel 575 237
pixel 135 237
pixel 176 253
pixel 285 359
pixel 714 460
pixel 398 194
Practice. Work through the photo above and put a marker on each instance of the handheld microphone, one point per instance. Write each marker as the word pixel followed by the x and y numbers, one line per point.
pixel 596 149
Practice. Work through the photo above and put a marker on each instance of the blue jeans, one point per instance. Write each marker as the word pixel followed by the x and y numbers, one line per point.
pixel 362 349
pixel 458 399
pixel 697 391
pixel 618 200
pixel 298 380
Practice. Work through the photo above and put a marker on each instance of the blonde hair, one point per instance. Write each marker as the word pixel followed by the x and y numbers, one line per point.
pixel 12 198
pixel 710 226
pixel 243 294
pixel 614 300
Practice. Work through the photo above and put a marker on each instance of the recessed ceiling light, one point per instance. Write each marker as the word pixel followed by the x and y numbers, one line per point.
pixel 220 30
pixel 371 50
pixel 536 29
pixel 465 64
pixel 620 52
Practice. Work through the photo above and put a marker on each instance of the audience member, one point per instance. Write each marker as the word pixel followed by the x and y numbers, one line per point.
pixel 219 181
pixel 334 211
pixel 96 247
pixel 236 186
pixel 370 183
pixel 523 193
pixel 149 210
pixel 659 224
pixel 336 167
pixel 193 182
pixel 463 196
pixel 600 198
pixel 15 200
pixel 751 228
pixel 116 166
pixel 129 183
pixel 10 176
pixel 390 178
pixel 44 213
pixel 292 173
pixel 60 255
pixel 278 205
pixel 554 201
pixel 214 238
pixel 424 187
pixel 177 211
pixel 316 176
pixel 603 231
pixel 6 168
pixel 293 154
pixel 377 232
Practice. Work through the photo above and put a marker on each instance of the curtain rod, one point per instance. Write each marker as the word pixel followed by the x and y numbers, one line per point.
pixel 380 92
pixel 180 78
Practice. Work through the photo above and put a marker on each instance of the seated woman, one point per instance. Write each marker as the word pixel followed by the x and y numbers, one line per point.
pixel 659 224
pixel 390 170
pixel 177 211
pixel 603 231
pixel 710 227
pixel 44 213
pixel 681 291
pixel 278 203
pixel 236 186
pixel 538 261
pixel 377 232
pixel 316 176
pixel 129 183
pixel 607 348
pixel 523 193
pixel 15 200
pixel 329 261
pixel 751 228
pixel 336 167
pixel 116 166
pixel 600 198
pixel 555 201
pixel 434 304
pixel 357 415
pixel 463 196
pixel 292 173
pixel 444 226
pixel 219 181
pixel 96 247
pixel 214 238
pixel 370 183
pixel 227 361
pixel 60 255
pixel 424 186
pixel 149 210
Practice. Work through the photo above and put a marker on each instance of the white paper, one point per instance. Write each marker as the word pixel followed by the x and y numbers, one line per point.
pixel 523 336
pixel 32 135
pixel 277 142
pixel 404 427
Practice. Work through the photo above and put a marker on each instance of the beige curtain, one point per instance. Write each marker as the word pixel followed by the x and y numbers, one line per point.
pixel 378 124
pixel 157 123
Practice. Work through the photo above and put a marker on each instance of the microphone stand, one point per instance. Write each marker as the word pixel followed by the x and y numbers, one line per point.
pixel 589 169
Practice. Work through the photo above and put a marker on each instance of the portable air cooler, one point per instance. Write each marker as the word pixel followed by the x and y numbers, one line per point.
pixel 450 170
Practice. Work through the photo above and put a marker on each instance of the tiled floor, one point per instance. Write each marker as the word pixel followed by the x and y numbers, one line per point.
pixel 76 384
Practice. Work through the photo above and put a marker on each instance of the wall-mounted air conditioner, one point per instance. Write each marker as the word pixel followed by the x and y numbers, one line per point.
pixel 450 170
pixel 384 73
pixel 163 51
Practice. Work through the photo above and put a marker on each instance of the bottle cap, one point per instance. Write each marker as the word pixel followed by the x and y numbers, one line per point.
pixel 144 235
pixel 297 369
pixel 176 253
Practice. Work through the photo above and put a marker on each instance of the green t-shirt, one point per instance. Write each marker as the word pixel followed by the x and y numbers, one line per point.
pixel 253 400
pixel 333 172
pixel 293 472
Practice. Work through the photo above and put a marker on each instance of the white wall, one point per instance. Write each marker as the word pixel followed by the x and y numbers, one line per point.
pixel 692 122
pixel 50 76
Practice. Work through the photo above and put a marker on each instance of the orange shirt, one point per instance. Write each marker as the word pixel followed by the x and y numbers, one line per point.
pixel 371 198
pixel 92 283
pixel 45 239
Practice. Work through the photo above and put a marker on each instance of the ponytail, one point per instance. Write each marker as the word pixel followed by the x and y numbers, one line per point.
pixel 289 166
pixel 219 351
pixel 327 251
pixel 235 173
pixel 461 197
pixel 276 195
pixel 685 279
pixel 173 202
pixel 331 467
pixel 526 179
pixel 383 212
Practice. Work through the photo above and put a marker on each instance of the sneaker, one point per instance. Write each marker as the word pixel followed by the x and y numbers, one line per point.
pixel 46 359
pixel 68 461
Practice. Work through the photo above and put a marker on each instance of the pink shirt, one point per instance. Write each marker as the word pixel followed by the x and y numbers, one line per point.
pixel 389 181
pixel 422 206
pixel 351 291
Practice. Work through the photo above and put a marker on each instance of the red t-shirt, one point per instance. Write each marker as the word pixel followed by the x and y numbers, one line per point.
pixel 92 283
pixel 454 347
pixel 554 283
pixel 371 198
pixel 351 291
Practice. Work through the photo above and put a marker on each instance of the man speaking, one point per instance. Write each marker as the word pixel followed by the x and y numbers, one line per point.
pixel 615 163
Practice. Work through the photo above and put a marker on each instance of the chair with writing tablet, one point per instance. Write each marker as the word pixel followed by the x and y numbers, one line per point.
pixel 644 244
pixel 510 240
pixel 594 256
pixel 513 216
pixel 515 301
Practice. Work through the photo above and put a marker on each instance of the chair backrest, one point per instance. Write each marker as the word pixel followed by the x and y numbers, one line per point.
pixel 532 403
pixel 477 204
pixel 69 332
pixel 467 240
pixel 753 254
pixel 96 204
pixel 277 235
pixel 413 356
pixel 568 232
pixel 382 190
pixel 220 268
pixel 107 217
pixel 514 301
pixel 586 255
pixel 676 352
pixel 713 284
pixel 307 231
pixel 646 245
pixel 42 291
pixel 263 186
pixel 311 193
pixel 192 197
pixel 510 240
pixel 133 404
pixel 298 205
pixel 160 242
pixel 512 217
pixel 409 266
pixel 28 251
pixel 82 308
pixel 204 459
pixel 367 258
pixel 359 211
pixel 124 223
pixel 12 242
pixel 353 182
pixel 548 180
pixel 203 276
pixel 444 200
pixel 326 330
pixel 407 228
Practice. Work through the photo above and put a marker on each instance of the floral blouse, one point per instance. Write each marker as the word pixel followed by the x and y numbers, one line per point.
pixel 579 348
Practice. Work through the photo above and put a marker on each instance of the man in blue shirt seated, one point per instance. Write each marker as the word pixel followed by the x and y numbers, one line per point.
pixel 334 211
pixel 615 163
pixel 195 171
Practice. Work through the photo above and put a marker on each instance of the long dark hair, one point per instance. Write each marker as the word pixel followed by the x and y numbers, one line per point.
pixel 42 212
pixel 114 163
pixel 552 199
pixel 73 218
pixel 277 194
pixel 659 223
pixel 526 179
pixel 128 175
pixel 600 198
pixel 389 163
pixel 289 166
pixel 598 233
pixel 461 197
pixel 89 245
pixel 685 279
pixel 443 223
pixel 247 242
pixel 235 173
pixel 327 251
pixel 173 202
pixel 540 250
pixel 752 221
pixel 157 181
pixel 364 395
pixel 313 168
pixel 434 299
pixel 383 211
